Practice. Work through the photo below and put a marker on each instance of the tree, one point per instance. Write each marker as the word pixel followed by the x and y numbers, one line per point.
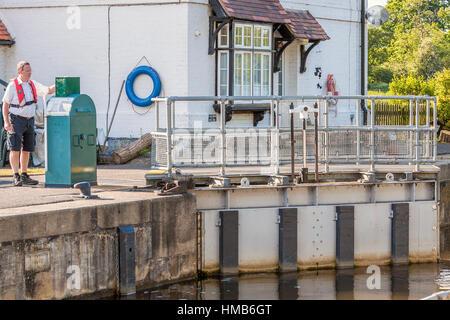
pixel 414 41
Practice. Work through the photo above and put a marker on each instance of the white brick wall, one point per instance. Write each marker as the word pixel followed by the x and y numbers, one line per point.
pixel 165 34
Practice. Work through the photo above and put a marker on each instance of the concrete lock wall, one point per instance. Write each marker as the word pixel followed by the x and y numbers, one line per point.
pixel 444 211
pixel 373 230
pixel 72 252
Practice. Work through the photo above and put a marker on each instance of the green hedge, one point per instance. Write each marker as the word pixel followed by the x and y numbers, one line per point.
pixel 438 86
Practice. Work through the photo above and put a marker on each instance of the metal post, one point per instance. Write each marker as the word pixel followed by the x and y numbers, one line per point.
pixel 173 116
pixel 316 141
pixel 304 143
pixel 272 134
pixel 358 133
pixel 434 129
pixel 417 135
pixel 157 116
pixel 169 138
pixel 291 107
pixel 372 136
pixel 410 131
pixel 326 135
pixel 222 139
pixel 427 145
pixel 276 137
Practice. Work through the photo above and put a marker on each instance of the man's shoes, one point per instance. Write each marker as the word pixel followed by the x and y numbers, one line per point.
pixel 26 180
pixel 17 182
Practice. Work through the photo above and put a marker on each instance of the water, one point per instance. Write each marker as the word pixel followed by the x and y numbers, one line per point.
pixel 401 282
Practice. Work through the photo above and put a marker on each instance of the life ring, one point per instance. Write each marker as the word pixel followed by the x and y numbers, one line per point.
pixel 142 102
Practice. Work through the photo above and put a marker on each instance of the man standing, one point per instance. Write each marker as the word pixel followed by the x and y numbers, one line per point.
pixel 19 107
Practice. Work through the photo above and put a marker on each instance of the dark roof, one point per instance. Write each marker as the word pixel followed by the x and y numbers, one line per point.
pixel 5 37
pixel 269 11
pixel 300 23
pixel 305 26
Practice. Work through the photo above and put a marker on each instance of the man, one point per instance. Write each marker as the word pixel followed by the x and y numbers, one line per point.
pixel 19 106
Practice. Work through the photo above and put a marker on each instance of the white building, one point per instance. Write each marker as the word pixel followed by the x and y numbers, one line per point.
pixel 102 41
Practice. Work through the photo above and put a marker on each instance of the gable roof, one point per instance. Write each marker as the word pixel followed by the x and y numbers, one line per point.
pixel 305 26
pixel 269 11
pixel 5 37
pixel 301 24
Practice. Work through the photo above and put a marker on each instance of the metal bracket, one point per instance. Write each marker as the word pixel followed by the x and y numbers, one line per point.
pixel 219 182
pixel 367 177
pixel 391 214
pixel 245 183
pixel 179 184
pixel 408 176
pixel 335 216
pixel 278 181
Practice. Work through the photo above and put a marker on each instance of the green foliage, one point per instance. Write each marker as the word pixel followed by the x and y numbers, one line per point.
pixel 441 84
pixel 376 93
pixel 378 87
pixel 410 85
pixel 380 74
pixel 414 41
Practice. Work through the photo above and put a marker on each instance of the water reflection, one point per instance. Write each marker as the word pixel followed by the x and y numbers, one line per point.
pixel 395 282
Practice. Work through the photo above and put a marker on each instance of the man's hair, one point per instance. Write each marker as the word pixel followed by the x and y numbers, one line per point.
pixel 21 65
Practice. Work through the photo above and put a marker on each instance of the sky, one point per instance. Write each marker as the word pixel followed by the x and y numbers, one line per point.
pixel 377 2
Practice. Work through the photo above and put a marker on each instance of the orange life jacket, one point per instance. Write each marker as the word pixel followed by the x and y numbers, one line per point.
pixel 21 94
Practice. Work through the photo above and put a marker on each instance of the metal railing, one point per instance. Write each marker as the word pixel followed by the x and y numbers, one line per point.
pixel 220 144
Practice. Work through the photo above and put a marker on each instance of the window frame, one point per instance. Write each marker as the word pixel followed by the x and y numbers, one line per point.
pixel 219 37
pixel 234 48
pixel 219 70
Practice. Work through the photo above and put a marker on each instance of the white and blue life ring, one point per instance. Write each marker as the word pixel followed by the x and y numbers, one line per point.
pixel 142 102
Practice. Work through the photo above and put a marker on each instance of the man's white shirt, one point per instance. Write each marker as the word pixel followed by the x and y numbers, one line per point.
pixel 12 98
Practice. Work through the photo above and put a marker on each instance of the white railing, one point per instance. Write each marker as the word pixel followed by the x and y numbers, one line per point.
pixel 268 145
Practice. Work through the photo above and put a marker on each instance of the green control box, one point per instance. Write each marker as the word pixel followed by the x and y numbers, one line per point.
pixel 66 86
pixel 71 141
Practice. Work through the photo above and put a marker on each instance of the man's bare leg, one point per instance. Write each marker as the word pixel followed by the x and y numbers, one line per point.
pixel 14 157
pixel 24 158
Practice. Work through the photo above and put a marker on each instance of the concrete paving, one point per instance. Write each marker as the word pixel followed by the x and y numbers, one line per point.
pixel 110 180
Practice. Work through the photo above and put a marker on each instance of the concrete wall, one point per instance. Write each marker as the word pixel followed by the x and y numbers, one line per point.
pixel 444 211
pixel 42 252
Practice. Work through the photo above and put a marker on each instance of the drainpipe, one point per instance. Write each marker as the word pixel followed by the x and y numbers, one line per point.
pixel 363 59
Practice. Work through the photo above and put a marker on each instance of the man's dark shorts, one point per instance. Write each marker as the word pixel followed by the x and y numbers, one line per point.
pixel 22 135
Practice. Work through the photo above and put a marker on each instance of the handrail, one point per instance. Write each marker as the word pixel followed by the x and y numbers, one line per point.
pixel 283 98
pixel 3 83
pixel 416 147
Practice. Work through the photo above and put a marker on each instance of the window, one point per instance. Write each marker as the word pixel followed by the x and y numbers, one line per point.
pixel 223 37
pixel 261 74
pixel 280 77
pixel 223 73
pixel 252 60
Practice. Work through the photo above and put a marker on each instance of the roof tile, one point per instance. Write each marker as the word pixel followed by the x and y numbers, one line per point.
pixel 4 34
pixel 301 23
pixel 305 26
pixel 256 10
